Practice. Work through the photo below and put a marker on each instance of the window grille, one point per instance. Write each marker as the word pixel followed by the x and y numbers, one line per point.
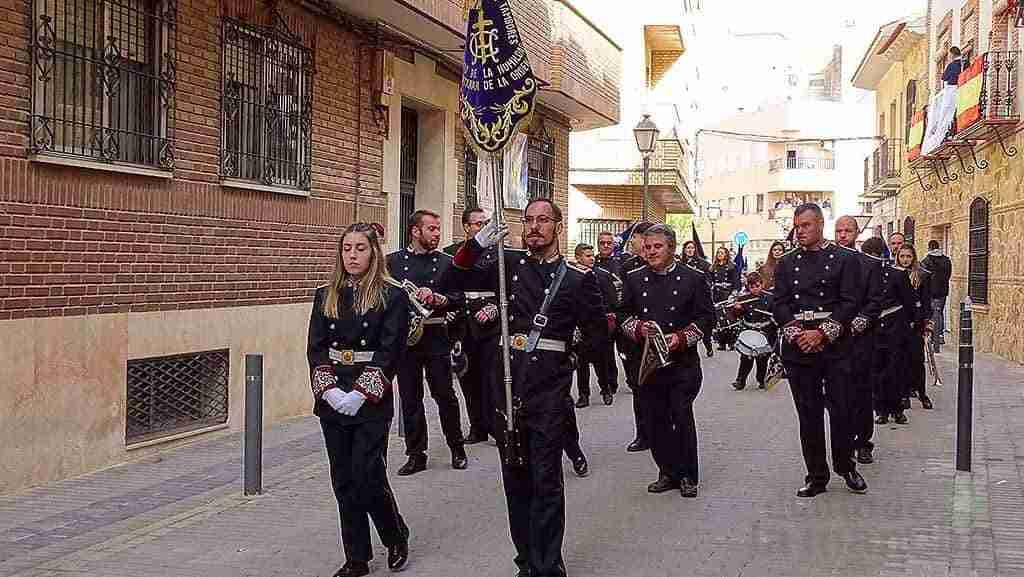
pixel 266 104
pixel 104 80
pixel 977 283
pixel 590 228
pixel 541 164
pixel 174 394
pixel 470 173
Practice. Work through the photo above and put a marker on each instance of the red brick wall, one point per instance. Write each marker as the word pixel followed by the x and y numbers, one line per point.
pixel 76 241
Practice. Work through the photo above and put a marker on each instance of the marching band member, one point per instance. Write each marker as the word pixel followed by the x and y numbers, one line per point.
pixel 921 323
pixel 694 260
pixel 725 282
pixel 357 337
pixel 893 330
pixel 477 329
pixel 815 301
pixel 541 372
pixel 424 265
pixel 628 262
pixel 595 352
pixel 666 298
pixel 755 311
pixel 862 339
pixel 606 260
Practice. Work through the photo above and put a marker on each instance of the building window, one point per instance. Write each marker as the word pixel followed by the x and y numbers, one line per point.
pixel 977 281
pixel 540 157
pixel 911 100
pixel 104 80
pixel 908 230
pixel 469 174
pixel 760 203
pixel 266 105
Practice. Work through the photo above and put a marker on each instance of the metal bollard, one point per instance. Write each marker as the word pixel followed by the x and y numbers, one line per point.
pixel 252 449
pixel 965 388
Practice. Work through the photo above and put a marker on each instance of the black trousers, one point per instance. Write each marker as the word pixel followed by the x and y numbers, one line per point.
pixel 632 367
pixel 826 383
pixel 535 494
pixel 747 363
pixel 357 455
pixel 438 369
pixel 671 430
pixel 572 431
pixel 862 421
pixel 891 362
pixel 476 386
pixel 598 357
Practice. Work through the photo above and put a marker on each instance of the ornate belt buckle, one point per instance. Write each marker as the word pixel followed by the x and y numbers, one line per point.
pixel 519 342
pixel 348 357
pixel 807 316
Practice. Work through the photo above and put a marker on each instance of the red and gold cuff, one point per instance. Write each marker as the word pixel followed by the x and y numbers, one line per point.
pixel 321 379
pixel 372 384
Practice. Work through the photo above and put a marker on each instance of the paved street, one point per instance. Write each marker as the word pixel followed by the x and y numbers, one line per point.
pixel 181 514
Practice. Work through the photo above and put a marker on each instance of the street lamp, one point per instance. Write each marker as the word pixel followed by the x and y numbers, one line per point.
pixel 714 213
pixel 646 133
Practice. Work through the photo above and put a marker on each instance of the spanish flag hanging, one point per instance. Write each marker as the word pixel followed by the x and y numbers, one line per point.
pixel 968 95
pixel 498 86
pixel 916 137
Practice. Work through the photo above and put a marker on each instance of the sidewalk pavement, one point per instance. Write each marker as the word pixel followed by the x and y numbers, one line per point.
pixel 180 513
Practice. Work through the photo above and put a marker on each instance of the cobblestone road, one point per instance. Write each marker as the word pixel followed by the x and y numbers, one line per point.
pixel 180 513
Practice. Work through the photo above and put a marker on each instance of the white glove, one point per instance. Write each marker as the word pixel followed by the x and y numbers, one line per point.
pixel 334 397
pixel 491 234
pixel 351 403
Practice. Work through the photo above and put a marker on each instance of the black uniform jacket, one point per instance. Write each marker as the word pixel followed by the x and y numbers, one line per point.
pixel 428 270
pixel 820 283
pixel 540 378
pixel 923 303
pixel 869 292
pixel 757 314
pixel 611 287
pixel 628 347
pixel 724 281
pixel 474 301
pixel 942 269
pixel 898 306
pixel 679 302
pixel 336 350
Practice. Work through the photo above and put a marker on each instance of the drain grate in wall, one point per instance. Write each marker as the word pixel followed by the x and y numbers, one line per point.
pixel 175 394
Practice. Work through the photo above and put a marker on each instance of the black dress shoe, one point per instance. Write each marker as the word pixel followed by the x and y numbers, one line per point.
pixel 580 465
pixel 474 438
pixel 926 402
pixel 664 483
pixel 881 419
pixel 608 398
pixel 637 446
pixel 761 385
pixel 398 555
pixel 900 418
pixel 864 456
pixel 739 386
pixel 711 352
pixel 459 460
pixel 582 402
pixel 811 490
pixel 688 488
pixel 415 464
pixel 854 482
pixel 353 569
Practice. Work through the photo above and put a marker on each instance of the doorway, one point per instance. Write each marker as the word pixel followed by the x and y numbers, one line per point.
pixel 409 168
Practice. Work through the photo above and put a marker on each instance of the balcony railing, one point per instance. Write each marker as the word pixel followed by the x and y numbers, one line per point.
pixel 802 163
pixel 999 87
pixel 886 161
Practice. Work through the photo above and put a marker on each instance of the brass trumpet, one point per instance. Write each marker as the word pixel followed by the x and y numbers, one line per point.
pixel 655 355
pixel 417 314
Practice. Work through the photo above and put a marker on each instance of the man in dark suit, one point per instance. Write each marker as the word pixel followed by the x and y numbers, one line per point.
pixel 951 74
pixel 942 269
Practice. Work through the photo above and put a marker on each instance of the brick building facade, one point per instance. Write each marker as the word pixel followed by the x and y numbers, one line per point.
pixel 173 179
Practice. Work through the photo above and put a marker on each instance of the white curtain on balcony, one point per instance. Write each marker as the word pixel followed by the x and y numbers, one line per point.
pixel 941 114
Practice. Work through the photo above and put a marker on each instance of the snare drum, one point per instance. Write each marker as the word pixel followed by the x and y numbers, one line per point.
pixel 753 344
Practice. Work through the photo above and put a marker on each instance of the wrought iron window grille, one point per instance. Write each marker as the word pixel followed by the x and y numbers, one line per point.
pixel 977 281
pixel 540 156
pixel 266 104
pixel 470 176
pixel 103 80
pixel 175 394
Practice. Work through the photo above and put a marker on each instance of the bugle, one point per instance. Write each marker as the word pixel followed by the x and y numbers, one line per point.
pixel 655 355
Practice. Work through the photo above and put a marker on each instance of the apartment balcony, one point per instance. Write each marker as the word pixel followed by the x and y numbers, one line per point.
pixel 801 174
pixel 882 170
pixel 579 62
pixel 615 164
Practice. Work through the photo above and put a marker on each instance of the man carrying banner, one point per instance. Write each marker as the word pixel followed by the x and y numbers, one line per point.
pixel 542 300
